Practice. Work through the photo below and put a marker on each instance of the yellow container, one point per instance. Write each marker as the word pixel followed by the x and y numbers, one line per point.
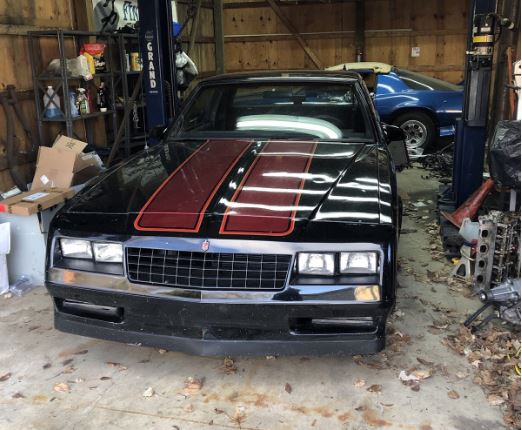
pixel 135 64
pixel 90 63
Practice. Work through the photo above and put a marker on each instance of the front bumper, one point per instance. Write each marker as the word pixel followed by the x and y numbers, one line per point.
pixel 221 327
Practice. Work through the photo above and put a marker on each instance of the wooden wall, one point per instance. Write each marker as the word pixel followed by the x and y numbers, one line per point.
pixel 16 18
pixel 256 39
pixel 204 49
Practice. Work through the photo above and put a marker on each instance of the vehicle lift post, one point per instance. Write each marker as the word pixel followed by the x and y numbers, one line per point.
pixel 157 45
pixel 470 136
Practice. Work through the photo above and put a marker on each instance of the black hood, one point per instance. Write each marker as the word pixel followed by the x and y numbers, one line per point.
pixel 339 182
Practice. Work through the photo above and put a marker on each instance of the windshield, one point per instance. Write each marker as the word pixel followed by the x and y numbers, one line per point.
pixel 418 81
pixel 300 110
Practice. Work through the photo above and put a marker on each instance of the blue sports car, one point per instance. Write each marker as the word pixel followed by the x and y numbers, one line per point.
pixel 424 107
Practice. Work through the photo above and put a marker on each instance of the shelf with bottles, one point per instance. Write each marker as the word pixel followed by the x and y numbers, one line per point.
pixel 83 102
pixel 78 117
pixel 100 75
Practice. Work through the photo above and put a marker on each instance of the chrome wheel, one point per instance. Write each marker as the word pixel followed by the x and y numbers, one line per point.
pixel 416 135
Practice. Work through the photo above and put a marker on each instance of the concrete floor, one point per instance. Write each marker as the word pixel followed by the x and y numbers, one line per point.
pixel 61 381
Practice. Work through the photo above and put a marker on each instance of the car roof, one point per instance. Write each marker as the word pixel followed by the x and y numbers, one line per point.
pixel 283 75
pixel 367 66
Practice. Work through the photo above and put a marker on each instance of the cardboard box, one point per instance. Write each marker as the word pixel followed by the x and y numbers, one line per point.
pixel 64 164
pixel 31 202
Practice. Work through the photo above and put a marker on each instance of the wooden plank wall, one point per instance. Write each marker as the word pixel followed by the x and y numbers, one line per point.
pixel 16 18
pixel 204 52
pixel 256 39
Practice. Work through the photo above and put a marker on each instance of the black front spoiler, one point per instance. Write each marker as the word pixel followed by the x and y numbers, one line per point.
pixel 217 328
pixel 204 347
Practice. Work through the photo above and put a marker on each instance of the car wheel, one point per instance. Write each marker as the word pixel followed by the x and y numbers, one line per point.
pixel 419 129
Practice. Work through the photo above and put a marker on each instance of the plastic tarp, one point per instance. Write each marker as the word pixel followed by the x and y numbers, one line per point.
pixel 504 154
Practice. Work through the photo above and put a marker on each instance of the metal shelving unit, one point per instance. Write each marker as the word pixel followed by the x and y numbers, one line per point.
pixel 127 43
pixel 117 78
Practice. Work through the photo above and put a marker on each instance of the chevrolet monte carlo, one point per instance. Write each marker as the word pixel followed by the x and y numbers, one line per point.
pixel 265 222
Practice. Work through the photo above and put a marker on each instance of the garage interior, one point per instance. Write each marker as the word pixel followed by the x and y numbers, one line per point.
pixel 444 366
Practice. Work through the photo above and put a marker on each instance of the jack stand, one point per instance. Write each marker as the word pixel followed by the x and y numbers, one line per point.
pixel 463 268
pixel 484 322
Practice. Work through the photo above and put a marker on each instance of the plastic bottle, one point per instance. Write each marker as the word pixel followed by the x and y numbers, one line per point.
pixel 72 102
pixel 52 101
pixel 22 285
pixel 82 102
pixel 101 98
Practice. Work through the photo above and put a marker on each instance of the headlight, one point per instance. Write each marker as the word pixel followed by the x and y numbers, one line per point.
pixel 108 252
pixel 358 262
pixel 316 264
pixel 76 248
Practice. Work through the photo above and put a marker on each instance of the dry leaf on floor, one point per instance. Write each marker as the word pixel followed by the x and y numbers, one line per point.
pixel 495 400
pixel 425 362
pixel 398 314
pixel 5 377
pixel 461 375
pixel 192 386
pixel 359 383
pixel 288 388
pixel 453 395
pixel 188 408
pixel 62 387
pixel 375 388
pixel 149 392
pixel 162 351
pixel 18 396
pixel 229 366
pixel 415 375
pixel 423 373
pixel 239 415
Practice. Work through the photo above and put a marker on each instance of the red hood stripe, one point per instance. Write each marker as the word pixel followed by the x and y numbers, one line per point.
pixel 180 202
pixel 256 210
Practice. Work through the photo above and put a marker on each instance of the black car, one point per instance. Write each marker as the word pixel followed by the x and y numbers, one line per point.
pixel 266 222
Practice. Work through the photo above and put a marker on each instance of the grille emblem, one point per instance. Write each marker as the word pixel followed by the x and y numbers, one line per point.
pixel 205 246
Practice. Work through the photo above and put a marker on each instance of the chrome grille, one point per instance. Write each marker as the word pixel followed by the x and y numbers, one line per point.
pixel 207 270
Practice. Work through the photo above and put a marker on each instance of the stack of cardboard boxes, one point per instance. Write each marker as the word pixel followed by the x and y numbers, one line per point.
pixel 58 168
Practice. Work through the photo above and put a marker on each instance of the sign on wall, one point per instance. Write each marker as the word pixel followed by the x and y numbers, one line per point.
pixel 110 15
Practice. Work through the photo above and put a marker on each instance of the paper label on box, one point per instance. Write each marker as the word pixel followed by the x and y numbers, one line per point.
pixel 34 197
pixel 44 179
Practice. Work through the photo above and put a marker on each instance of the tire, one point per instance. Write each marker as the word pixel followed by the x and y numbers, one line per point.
pixel 420 131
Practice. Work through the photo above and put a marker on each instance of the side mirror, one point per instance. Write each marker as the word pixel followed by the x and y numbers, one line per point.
pixel 157 132
pixel 393 133
pixel 395 137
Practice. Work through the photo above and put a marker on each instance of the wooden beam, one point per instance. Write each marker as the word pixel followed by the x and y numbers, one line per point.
pixel 360 18
pixel 83 15
pixel 268 37
pixel 22 30
pixel 219 36
pixel 208 4
pixel 265 3
pixel 421 69
pixel 435 68
pixel 194 27
pixel 315 59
